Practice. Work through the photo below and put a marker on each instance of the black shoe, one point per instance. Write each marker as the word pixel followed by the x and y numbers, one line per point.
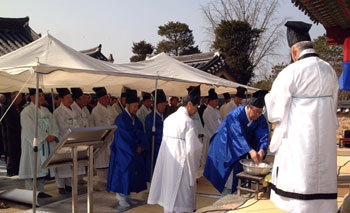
pixel 62 191
pixel 68 188
pixel 43 195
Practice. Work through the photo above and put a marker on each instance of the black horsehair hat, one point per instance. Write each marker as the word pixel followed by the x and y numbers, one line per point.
pixel 131 96
pixel 297 31
pixel 161 97
pixel 100 91
pixel 258 99
pixel 194 93
pixel 33 90
pixel 76 92
pixel 62 92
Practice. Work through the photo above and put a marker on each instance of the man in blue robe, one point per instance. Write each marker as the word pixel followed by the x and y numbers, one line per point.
pixel 126 166
pixel 244 131
pixel 161 103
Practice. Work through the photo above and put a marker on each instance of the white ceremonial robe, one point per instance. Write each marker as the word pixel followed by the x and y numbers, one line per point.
pixel 227 108
pixel 66 119
pixel 174 179
pixel 117 108
pixel 46 126
pixel 212 120
pixel 82 115
pixel 222 111
pixel 303 103
pixel 102 116
pixel 142 114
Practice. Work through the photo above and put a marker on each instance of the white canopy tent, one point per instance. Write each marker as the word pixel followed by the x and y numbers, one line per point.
pixel 62 66
pixel 57 65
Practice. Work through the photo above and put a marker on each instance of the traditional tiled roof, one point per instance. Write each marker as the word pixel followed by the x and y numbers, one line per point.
pixel 15 33
pixel 211 62
pixel 95 53
pixel 334 15
pixel 329 13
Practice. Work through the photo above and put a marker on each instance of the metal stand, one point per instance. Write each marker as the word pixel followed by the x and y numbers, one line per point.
pixel 92 138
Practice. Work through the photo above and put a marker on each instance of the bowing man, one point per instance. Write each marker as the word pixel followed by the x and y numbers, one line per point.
pixel 174 179
pixel 160 117
pixel 126 165
pixel 244 131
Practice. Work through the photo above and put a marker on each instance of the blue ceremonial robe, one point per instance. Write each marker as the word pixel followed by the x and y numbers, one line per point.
pixel 232 141
pixel 126 171
pixel 157 140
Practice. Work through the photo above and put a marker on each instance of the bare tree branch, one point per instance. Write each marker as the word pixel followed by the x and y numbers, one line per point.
pixel 260 14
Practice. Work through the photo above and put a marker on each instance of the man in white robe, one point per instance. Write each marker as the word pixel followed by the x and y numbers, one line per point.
pixel 174 179
pixel 101 115
pixel 233 104
pixel 119 106
pixel 145 109
pixel 212 120
pixel 66 119
pixel 79 108
pixel 83 117
pixel 303 104
pixel 227 98
pixel 47 137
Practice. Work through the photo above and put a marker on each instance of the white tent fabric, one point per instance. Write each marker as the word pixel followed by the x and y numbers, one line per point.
pixel 62 66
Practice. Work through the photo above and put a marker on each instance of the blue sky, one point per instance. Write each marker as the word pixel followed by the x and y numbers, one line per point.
pixel 117 23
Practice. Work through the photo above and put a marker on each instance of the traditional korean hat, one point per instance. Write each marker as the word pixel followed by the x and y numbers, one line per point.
pixel 194 93
pixel 100 91
pixel 241 92
pixel 258 99
pixel 161 97
pixel 62 92
pixel 32 91
pixel 146 96
pixel 212 94
pixel 76 92
pixel 227 95
pixel 131 96
pixel 297 31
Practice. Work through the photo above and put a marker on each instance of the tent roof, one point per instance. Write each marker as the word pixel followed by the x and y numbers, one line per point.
pixel 62 66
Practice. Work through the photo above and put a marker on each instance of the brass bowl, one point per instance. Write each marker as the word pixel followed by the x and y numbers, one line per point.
pixel 250 167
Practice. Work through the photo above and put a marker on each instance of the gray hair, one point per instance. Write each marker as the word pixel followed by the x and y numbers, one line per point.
pixel 303 45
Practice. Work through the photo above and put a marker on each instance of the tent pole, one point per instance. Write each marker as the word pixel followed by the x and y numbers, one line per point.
pixel 53 100
pixel 35 141
pixel 154 127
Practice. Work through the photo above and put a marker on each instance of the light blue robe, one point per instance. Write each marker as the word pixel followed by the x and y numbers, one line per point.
pixel 47 126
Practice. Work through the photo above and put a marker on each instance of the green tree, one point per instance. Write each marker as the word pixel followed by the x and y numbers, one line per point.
pixel 141 50
pixel 236 41
pixel 178 39
pixel 267 84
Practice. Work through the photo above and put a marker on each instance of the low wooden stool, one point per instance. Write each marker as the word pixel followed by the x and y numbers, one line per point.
pixel 251 180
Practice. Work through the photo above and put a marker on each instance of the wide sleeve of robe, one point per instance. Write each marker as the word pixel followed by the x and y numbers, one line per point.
pixel 278 102
pixel 193 152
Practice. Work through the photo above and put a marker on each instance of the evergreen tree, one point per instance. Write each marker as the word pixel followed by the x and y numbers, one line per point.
pixel 235 39
pixel 141 50
pixel 178 39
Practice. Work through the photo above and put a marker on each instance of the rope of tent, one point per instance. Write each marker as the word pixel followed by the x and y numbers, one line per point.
pixel 8 108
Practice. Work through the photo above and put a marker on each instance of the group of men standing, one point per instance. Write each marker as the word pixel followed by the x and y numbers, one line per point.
pixel 302 103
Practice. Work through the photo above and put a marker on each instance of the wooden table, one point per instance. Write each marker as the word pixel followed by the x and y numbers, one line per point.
pixel 250 182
